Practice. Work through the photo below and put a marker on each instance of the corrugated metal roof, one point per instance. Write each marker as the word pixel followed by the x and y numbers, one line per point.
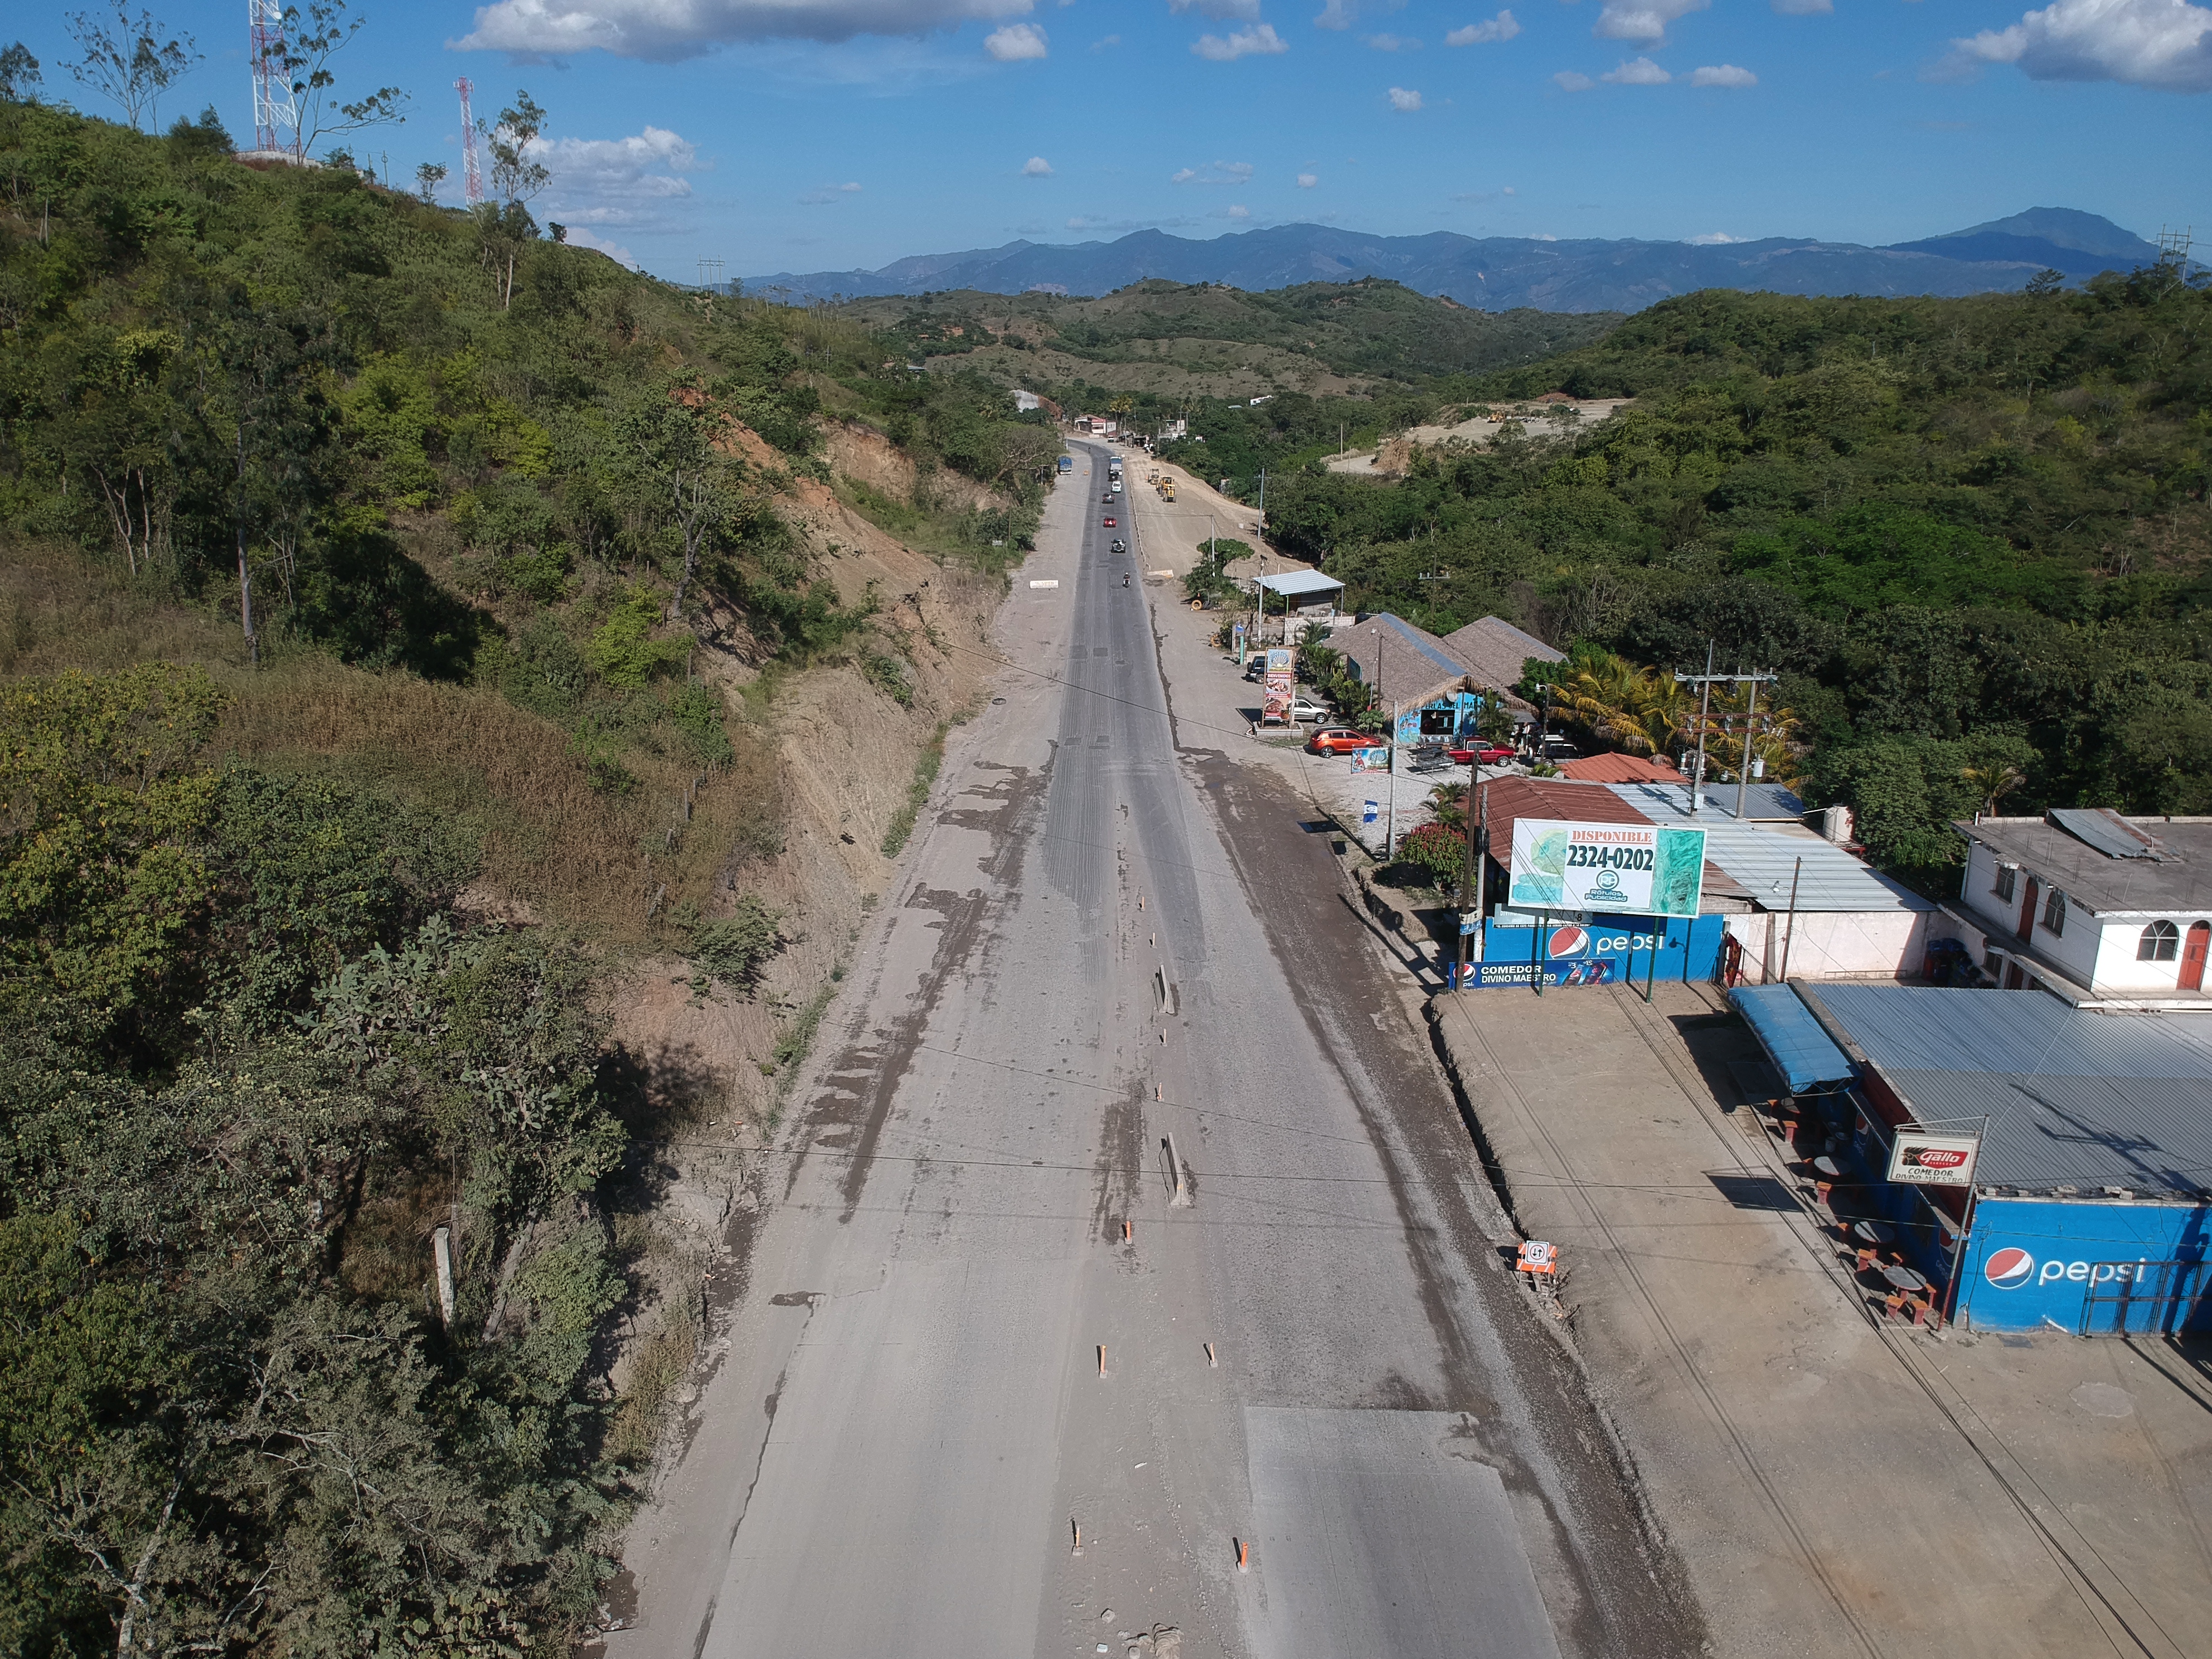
pixel 1764 863
pixel 1618 768
pixel 2106 830
pixel 1767 802
pixel 1802 1050
pixel 1294 583
pixel 2075 1098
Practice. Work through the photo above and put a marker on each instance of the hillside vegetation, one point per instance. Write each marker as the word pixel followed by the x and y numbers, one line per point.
pixel 1181 343
pixel 1968 532
pixel 397 612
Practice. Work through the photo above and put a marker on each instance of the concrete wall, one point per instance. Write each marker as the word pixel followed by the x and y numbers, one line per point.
pixel 2117 967
pixel 2073 952
pixel 2098 953
pixel 1837 944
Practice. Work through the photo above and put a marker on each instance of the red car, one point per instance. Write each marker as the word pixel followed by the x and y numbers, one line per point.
pixel 1340 740
pixel 1480 754
pixel 1110 523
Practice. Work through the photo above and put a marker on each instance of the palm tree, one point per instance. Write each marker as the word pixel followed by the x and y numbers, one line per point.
pixel 1991 782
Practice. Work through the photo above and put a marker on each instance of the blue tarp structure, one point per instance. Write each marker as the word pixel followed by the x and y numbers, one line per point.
pixel 1802 1050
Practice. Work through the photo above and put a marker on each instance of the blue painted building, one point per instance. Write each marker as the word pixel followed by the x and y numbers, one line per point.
pixel 2092 1196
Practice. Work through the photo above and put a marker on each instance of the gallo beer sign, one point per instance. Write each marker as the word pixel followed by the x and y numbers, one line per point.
pixel 1920 1158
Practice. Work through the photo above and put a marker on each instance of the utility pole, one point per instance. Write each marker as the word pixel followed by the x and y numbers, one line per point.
pixel 1478 849
pixel 1705 683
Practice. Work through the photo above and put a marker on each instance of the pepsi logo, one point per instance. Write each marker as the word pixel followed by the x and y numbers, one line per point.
pixel 2008 1268
pixel 1569 941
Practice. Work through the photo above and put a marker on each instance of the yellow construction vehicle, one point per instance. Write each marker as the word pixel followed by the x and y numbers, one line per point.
pixel 1167 489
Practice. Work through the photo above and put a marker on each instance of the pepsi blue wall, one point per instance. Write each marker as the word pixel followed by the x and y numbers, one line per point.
pixel 1605 950
pixel 2032 1260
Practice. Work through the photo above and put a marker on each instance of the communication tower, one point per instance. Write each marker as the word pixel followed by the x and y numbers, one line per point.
pixel 275 110
pixel 710 276
pixel 472 174
pixel 2173 247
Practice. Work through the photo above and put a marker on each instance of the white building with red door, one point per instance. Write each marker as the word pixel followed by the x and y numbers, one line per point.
pixel 2105 911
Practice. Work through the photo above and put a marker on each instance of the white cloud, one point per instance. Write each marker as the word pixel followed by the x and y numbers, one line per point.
pixel 1573 81
pixel 578 237
pixel 1714 239
pixel 1638 72
pixel 1343 14
pixel 1644 20
pixel 666 30
pixel 1236 212
pixel 1500 27
pixel 1261 42
pixel 1221 11
pixel 1308 181
pixel 1016 42
pixel 1404 100
pixel 1804 7
pixel 827 193
pixel 618 181
pixel 1105 41
pixel 1722 74
pixel 2162 44
pixel 649 164
pixel 1213 173
pixel 1392 43
pixel 1037 167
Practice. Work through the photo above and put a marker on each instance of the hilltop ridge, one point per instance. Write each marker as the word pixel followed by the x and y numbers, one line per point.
pixel 1500 273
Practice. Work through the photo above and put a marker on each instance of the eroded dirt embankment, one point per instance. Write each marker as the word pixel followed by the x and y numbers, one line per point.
pixel 714 1067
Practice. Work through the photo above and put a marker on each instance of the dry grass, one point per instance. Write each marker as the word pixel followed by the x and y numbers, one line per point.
pixel 60 608
pixel 575 856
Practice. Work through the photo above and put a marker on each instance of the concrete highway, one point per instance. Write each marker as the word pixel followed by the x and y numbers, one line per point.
pixel 955 1411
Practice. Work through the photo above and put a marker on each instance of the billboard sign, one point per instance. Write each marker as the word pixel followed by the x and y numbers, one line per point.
pixel 1919 1158
pixel 1621 869
pixel 1276 693
pixel 1597 950
pixel 2035 1263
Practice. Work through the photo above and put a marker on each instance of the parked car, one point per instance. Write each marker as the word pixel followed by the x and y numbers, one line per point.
pixel 1110 523
pixel 1481 754
pixel 1302 711
pixel 1559 749
pixel 1339 740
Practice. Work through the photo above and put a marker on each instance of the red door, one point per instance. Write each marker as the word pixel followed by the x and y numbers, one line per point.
pixel 2192 955
pixel 2028 910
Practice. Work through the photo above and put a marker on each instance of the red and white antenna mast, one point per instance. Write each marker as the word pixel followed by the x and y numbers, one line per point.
pixel 472 174
pixel 275 110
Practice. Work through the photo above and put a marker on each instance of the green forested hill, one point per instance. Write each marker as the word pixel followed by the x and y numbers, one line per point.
pixel 353 553
pixel 1180 342
pixel 1954 525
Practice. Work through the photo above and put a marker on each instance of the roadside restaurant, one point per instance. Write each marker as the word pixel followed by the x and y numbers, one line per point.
pixel 1999 1158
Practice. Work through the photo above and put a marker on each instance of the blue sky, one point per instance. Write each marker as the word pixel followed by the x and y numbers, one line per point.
pixel 807 135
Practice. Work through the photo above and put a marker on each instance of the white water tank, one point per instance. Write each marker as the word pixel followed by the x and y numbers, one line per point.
pixel 1835 824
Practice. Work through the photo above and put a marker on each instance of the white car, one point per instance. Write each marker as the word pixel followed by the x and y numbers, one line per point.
pixel 1303 713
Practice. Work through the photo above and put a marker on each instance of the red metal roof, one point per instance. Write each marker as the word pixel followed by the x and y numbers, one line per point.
pixel 1620 768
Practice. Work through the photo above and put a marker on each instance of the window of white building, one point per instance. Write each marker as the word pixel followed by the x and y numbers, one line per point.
pixel 2160 942
pixel 2054 912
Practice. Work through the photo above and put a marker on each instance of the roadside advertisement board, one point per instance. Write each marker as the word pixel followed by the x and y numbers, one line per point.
pixel 2030 1260
pixel 1920 1158
pixel 1620 950
pixel 1621 869
pixel 1275 696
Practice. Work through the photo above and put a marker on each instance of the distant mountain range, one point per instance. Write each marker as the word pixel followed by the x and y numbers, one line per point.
pixel 1497 273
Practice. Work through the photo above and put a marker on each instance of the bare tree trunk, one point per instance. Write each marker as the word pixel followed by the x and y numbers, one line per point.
pixel 134 1592
pixel 694 524
pixel 245 571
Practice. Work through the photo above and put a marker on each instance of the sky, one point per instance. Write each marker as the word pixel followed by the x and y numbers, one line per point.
pixel 827 135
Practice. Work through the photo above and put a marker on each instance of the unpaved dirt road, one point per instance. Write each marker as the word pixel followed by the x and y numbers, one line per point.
pixel 946 1357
